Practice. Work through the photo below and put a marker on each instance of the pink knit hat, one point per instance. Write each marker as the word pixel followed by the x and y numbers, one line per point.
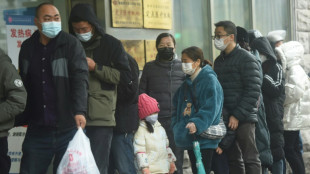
pixel 147 105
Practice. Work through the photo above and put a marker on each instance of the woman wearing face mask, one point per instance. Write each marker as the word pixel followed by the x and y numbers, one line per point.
pixel 160 79
pixel 151 145
pixel 198 104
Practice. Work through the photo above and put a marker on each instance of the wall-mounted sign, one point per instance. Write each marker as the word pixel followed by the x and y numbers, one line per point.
pixel 136 49
pixel 150 50
pixel 127 13
pixel 157 14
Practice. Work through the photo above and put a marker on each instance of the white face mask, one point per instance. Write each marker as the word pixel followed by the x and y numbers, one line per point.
pixel 84 37
pixel 187 68
pixel 51 29
pixel 219 44
pixel 152 118
pixel 263 58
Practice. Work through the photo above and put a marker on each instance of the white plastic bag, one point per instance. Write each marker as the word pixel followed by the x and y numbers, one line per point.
pixel 78 158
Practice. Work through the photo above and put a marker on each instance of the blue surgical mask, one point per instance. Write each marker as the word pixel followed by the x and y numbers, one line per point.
pixel 51 29
pixel 84 37
pixel 152 118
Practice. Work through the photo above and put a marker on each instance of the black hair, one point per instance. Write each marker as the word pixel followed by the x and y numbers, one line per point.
pixel 77 19
pixel 41 5
pixel 228 26
pixel 196 53
pixel 162 35
pixel 149 127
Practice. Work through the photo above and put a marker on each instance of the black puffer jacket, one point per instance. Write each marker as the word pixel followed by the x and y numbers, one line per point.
pixel 238 73
pixel 273 94
pixel 126 114
pixel 161 80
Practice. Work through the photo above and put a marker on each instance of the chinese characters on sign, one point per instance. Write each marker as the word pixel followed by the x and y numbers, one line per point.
pixel 157 14
pixel 127 13
pixel 136 49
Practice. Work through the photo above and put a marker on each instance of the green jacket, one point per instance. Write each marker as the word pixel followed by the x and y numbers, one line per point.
pixel 12 94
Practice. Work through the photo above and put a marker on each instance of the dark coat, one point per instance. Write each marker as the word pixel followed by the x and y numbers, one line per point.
pixel 126 114
pixel 70 72
pixel 274 94
pixel 161 80
pixel 238 73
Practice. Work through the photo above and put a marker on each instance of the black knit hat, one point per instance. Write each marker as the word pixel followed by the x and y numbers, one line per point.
pixel 242 35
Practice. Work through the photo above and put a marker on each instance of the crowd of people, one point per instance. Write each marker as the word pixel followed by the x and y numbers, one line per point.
pixel 86 79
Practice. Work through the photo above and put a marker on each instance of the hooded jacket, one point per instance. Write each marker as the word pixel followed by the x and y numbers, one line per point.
pixel 297 87
pixel 273 96
pixel 209 102
pixel 13 95
pixel 160 80
pixel 238 73
pixel 112 68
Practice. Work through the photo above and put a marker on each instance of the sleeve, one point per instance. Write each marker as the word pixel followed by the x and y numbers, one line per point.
pixel 210 104
pixel 294 87
pixel 273 83
pixel 15 93
pixel 251 81
pixel 140 149
pixel 120 62
pixel 143 88
pixel 228 139
pixel 107 74
pixel 78 75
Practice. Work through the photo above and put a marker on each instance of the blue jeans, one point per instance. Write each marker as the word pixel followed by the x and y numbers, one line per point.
pixel 100 138
pixel 277 167
pixel 122 154
pixel 41 144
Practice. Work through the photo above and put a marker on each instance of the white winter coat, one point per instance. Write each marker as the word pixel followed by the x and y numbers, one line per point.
pixel 152 149
pixel 297 87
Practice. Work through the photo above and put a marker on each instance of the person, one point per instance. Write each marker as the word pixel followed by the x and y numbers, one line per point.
pixel 276 38
pixel 12 102
pixel 151 143
pixel 273 95
pixel 262 134
pixel 127 122
pixel 296 104
pixel 239 75
pixel 54 71
pixel 160 79
pixel 198 104
pixel 108 66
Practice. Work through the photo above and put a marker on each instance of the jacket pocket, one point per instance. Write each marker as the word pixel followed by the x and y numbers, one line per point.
pixel 101 105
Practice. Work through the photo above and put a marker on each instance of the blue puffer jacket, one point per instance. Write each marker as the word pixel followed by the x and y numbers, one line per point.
pixel 209 101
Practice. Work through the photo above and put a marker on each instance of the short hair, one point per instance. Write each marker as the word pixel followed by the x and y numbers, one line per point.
pixel 41 5
pixel 196 53
pixel 228 26
pixel 162 35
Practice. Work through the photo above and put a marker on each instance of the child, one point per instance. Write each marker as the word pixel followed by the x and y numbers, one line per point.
pixel 151 144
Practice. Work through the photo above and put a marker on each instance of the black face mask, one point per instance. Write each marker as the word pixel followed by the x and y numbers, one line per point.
pixel 165 53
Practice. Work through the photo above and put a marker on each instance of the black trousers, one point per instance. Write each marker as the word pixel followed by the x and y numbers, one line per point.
pixel 292 151
pixel 5 160
pixel 206 155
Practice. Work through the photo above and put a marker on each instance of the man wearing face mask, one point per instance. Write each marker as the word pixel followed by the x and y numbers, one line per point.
pixel 54 71
pixel 273 91
pixel 160 79
pixel 108 66
pixel 238 72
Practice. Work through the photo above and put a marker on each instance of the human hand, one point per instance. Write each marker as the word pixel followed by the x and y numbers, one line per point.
pixel 91 64
pixel 146 171
pixel 233 123
pixel 191 127
pixel 219 150
pixel 80 121
pixel 172 168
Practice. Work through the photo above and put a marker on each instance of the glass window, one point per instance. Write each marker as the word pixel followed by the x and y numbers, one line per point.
pixel 191 24
pixel 272 15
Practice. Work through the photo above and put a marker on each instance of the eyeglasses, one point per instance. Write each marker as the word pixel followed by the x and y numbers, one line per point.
pixel 219 36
